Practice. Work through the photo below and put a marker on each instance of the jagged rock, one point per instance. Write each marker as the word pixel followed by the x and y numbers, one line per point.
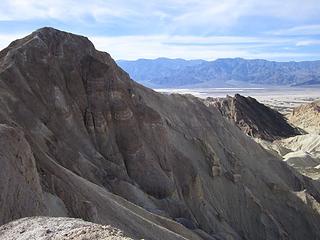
pixel 307 117
pixel 309 200
pixel 111 151
pixel 216 170
pixel 45 228
pixel 302 152
pixel 253 118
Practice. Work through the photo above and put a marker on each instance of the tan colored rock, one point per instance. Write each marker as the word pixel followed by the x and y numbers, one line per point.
pixel 302 152
pixel 307 117
pixel 45 228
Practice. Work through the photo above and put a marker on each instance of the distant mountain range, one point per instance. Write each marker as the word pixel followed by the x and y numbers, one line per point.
pixel 226 72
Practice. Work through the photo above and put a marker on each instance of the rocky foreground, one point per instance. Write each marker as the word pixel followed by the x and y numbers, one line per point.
pixel 45 228
pixel 79 138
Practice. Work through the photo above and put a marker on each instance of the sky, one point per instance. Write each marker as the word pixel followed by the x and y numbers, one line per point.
pixel 280 30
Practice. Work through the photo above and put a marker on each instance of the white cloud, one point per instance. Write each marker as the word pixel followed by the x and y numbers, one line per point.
pixel 286 9
pixel 299 30
pixel 63 10
pixel 192 47
pixel 6 39
pixel 176 15
pixel 171 19
pixel 224 40
pixel 134 47
pixel 307 43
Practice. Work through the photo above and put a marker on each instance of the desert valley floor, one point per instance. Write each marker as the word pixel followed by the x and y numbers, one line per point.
pixel 280 98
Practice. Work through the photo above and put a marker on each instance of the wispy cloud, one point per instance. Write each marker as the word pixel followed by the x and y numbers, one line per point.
pixel 190 47
pixel 307 43
pixel 313 29
pixel 225 40
pixel 6 39
pixel 206 29
pixel 62 10
pixel 180 15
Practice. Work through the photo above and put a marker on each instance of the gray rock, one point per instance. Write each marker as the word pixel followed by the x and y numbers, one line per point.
pixel 254 118
pixel 45 228
pixel 110 149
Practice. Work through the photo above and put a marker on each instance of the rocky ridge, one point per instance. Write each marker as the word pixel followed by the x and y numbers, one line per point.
pixel 98 146
pixel 253 118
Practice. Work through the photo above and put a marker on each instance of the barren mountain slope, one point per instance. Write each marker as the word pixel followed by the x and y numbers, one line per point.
pixel 99 138
pixel 253 118
pixel 19 177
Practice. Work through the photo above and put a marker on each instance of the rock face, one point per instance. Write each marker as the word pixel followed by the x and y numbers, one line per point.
pixel 45 228
pixel 307 117
pixel 21 193
pixel 253 118
pixel 111 151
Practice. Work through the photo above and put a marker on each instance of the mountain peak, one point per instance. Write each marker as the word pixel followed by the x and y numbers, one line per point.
pixel 48 29
pixel 51 35
pixel 46 43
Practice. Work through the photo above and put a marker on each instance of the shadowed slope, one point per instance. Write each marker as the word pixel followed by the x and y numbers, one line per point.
pixel 254 118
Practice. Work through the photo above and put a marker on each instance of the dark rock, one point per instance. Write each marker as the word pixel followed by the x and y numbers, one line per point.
pixel 254 118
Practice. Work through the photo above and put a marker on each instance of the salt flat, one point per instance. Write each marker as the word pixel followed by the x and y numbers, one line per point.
pixel 279 98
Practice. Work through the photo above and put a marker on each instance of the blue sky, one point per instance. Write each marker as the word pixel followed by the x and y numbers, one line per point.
pixel 282 30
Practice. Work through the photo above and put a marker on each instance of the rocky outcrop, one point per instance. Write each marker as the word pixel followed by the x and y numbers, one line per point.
pixel 307 117
pixel 253 118
pixel 111 151
pixel 302 152
pixel 45 228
